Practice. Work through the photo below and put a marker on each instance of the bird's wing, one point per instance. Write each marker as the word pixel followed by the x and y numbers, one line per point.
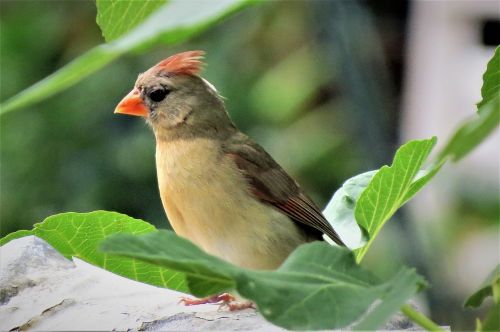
pixel 272 185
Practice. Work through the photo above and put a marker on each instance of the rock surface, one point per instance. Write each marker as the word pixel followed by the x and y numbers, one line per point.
pixel 42 290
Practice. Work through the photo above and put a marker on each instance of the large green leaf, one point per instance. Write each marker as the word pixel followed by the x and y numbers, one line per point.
pixel 491 80
pixel 389 189
pixel 489 287
pixel 117 17
pixel 317 287
pixel 173 22
pixel 322 287
pixel 79 234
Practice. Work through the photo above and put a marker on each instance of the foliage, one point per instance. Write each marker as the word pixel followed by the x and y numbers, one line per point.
pixel 207 274
pixel 79 235
pixel 116 18
pixel 180 25
pixel 316 277
pixel 389 188
pixel 393 186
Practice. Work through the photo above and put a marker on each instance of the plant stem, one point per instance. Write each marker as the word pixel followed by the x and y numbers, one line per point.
pixel 420 319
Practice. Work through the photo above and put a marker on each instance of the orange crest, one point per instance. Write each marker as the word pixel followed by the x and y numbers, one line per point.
pixel 187 63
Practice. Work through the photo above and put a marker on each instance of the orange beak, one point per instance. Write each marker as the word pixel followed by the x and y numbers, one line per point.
pixel 132 104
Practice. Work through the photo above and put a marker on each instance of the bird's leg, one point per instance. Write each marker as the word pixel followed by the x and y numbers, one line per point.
pixel 224 298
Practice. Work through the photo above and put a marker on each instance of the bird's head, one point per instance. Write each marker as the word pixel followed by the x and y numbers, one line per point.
pixel 175 101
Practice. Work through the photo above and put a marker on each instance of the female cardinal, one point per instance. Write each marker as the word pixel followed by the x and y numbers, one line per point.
pixel 219 188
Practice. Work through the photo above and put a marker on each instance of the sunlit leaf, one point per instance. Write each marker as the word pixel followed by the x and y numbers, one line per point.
pixel 116 17
pixel 389 188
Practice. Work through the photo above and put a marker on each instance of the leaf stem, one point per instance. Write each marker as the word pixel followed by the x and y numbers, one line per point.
pixel 420 319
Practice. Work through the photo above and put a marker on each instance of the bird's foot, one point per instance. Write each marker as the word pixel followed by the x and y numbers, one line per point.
pixel 223 299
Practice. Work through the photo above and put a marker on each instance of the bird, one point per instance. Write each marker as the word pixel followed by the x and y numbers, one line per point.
pixel 219 188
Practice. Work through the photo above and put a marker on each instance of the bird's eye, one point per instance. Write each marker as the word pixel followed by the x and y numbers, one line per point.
pixel 158 95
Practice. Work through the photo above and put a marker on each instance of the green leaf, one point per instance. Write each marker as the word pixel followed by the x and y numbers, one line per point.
pixel 322 287
pixel 491 80
pixel 15 235
pixel 79 234
pixel 207 274
pixel 317 287
pixel 173 22
pixel 340 210
pixel 390 188
pixel 116 17
pixel 473 132
pixel 489 287
pixel 393 186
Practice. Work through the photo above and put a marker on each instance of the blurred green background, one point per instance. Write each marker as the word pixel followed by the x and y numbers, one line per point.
pixel 318 84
